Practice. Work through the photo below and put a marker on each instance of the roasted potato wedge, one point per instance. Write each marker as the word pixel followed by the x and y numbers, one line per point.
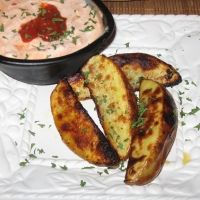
pixel 116 103
pixel 135 66
pixel 155 136
pixel 77 129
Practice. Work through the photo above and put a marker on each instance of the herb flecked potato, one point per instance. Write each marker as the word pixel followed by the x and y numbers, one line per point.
pixel 115 101
pixel 156 131
pixel 77 130
pixel 135 66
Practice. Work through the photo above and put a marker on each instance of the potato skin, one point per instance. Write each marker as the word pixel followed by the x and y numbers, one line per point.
pixel 137 66
pixel 155 137
pixel 77 130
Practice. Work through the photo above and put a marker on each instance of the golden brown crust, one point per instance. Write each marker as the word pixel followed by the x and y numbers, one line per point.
pixel 78 85
pixel 135 66
pixel 114 99
pixel 77 129
pixel 155 137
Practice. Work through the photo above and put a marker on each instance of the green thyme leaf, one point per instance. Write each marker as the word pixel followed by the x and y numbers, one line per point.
pixel 188 99
pixel 32 145
pixel 22 164
pixel 22 114
pixel 64 167
pixel 57 19
pixel 31 132
pixel 41 125
pixel 100 173
pixel 42 11
pixel 193 83
pixel 127 44
pixel 82 183
pixel 88 29
pixel 53 165
pixel 90 167
pixel 54 156
pixel 75 39
pixel 32 156
pixel 1 28
pixel 106 171
pixel 194 110
pixel 197 127
pixel 140 120
pixel 183 123
pixel 182 113
pixel 40 151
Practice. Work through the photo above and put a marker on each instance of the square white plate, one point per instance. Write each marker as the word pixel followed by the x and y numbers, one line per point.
pixel 34 162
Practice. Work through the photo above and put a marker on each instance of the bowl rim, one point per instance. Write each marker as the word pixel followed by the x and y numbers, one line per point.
pixel 109 30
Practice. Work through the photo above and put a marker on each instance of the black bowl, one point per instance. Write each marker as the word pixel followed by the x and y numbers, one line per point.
pixel 51 70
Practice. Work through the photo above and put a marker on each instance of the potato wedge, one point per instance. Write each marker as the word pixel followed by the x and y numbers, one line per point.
pixel 135 66
pixel 77 129
pixel 156 132
pixel 116 103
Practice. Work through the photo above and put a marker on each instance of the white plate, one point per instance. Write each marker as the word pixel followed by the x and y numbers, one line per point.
pixel 52 171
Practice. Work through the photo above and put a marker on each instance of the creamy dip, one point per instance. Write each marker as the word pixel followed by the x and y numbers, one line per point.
pixel 84 24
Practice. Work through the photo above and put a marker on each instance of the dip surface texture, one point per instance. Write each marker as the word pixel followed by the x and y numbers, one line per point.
pixel 83 24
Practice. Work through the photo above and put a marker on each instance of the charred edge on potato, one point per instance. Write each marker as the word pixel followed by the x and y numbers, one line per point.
pixel 146 167
pixel 77 129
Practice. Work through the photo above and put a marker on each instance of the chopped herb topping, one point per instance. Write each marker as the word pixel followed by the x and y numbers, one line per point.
pixel 57 19
pixel 197 127
pixel 1 28
pixel 90 167
pixel 32 156
pixel 100 173
pixel 127 44
pixel 22 114
pixel 41 125
pixel 194 110
pixel 140 119
pixel 31 132
pixel 82 183
pixel 53 165
pixel 64 167
pixel 24 163
pixel 54 156
pixel 40 151
pixel 88 28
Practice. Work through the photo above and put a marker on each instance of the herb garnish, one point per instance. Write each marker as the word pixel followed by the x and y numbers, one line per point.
pixel 90 167
pixel 22 114
pixel 140 119
pixel 88 28
pixel 1 28
pixel 24 163
pixel 197 127
pixel 53 165
pixel 82 183
pixel 64 167
pixel 127 44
